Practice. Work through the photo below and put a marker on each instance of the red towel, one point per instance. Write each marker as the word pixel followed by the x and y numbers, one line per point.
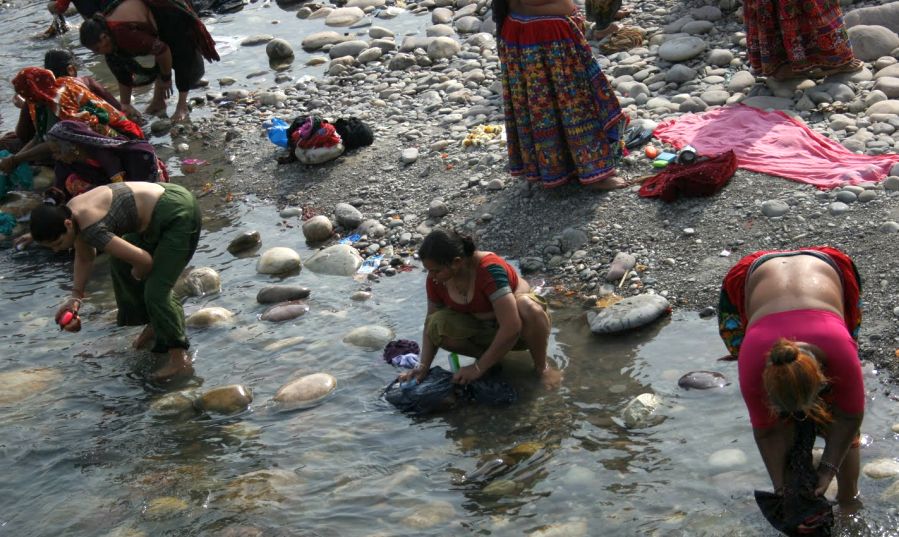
pixel 776 144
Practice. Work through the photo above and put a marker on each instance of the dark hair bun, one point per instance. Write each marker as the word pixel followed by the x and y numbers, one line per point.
pixel 784 352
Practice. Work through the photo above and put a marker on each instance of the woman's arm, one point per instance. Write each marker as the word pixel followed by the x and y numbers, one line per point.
pixel 506 310
pixel 138 258
pixel 840 436
pixel 32 151
pixel 84 261
pixel 428 352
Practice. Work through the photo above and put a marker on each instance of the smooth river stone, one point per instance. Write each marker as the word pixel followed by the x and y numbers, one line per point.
pixel 318 228
pixel 244 242
pixel 226 399
pixel 891 494
pixel 18 385
pixel 360 296
pixel 632 312
pixel 285 311
pixel 344 16
pixel 640 412
pixel 682 48
pixel 337 260
pixel 371 336
pixel 274 294
pixel 881 468
pixel 209 317
pixel 727 458
pixel 174 404
pixel 622 263
pixel 305 392
pixel 164 507
pixel 282 344
pixel 278 260
pixel 702 380
pixel 435 513
pixel 200 281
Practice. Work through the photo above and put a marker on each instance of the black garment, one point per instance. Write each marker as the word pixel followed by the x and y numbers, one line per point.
pixel 799 505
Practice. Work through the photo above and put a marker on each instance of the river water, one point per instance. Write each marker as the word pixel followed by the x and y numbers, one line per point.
pixel 84 455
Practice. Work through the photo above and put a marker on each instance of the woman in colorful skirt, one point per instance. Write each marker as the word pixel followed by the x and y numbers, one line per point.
pixel 792 38
pixel 563 121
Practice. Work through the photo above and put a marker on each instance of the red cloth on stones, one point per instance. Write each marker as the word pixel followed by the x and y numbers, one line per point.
pixel 702 178
pixel 776 144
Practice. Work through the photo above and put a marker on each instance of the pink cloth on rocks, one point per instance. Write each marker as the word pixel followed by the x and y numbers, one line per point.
pixel 776 144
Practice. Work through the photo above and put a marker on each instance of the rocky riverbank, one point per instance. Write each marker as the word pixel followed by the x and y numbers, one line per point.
pixel 426 95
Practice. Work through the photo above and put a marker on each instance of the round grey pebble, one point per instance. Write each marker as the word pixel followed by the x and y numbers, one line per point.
pixel 846 196
pixel 867 195
pixel 891 183
pixel 707 311
pixel 837 208
pixel 896 314
pixel 775 208
pixel 888 227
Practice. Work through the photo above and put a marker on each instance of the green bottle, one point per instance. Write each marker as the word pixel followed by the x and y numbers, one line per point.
pixel 454 362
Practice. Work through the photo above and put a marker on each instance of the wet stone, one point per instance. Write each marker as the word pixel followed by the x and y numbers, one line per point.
pixel 881 469
pixel 278 260
pixel 285 311
pixel 305 392
pixel 244 242
pixel 207 317
pixel 281 293
pixel 226 399
pixel 317 229
pixel 371 336
pixel 200 281
pixel 628 314
pixel 702 380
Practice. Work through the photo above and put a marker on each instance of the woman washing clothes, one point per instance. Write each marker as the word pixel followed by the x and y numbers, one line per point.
pixel 790 319
pixel 478 306
pixel 150 232
pixel 170 31
pixel 50 99
pixel 563 120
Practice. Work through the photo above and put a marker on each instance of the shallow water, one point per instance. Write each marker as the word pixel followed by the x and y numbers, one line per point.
pixel 86 456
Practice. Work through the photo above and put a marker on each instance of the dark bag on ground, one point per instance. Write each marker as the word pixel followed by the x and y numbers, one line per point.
pixel 354 132
pixel 799 506
pixel 702 178
pixel 437 392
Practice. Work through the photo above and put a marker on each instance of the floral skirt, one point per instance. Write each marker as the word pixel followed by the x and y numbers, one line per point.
pixel 806 34
pixel 563 120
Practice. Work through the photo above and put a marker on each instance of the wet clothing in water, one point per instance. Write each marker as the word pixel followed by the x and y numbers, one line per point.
pixel 171 238
pixel 178 29
pixel 437 392
pixel 732 318
pixel 563 120
pixel 108 160
pixel 798 505
pixel 52 99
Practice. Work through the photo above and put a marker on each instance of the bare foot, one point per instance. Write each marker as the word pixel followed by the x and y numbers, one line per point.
pixel 607 31
pixel 179 365
pixel 611 183
pixel 181 115
pixel 155 108
pixel 551 378
pixel 621 13
pixel 145 339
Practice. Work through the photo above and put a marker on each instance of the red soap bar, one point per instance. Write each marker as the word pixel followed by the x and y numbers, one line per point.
pixel 66 318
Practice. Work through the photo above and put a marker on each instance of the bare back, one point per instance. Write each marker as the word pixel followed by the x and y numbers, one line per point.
pixel 793 283
pixel 90 207
pixel 132 11
pixel 542 7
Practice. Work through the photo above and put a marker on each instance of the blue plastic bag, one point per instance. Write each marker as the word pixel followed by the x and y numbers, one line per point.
pixel 276 128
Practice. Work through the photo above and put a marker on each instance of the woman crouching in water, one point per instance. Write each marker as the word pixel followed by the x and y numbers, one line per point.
pixel 150 232
pixel 479 306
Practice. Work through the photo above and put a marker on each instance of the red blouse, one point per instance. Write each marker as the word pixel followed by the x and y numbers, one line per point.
pixel 494 278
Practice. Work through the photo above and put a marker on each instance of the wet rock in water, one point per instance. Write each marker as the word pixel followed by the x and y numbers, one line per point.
pixel 370 336
pixel 255 40
pixel 572 528
pixel 165 507
pixel 337 260
pixel 881 469
pixel 209 317
pixel 279 50
pixel 174 404
pixel 226 399
pixel 160 127
pixel 305 392
pixel 282 344
pixel 895 427
pixel 274 294
pixel 628 314
pixel 641 412
pixel 285 311
pixel 702 380
pixel 502 488
pixel 428 516
pixel 344 16
pixel 200 281
pixel 278 260
pixel 524 450
pixel 622 264
pixel 360 296
pixel 727 458
pixel 318 229
pixel 21 384
pixel 245 492
pixel 244 242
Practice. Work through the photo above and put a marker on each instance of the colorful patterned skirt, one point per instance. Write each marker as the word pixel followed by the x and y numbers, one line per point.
pixel 806 34
pixel 563 121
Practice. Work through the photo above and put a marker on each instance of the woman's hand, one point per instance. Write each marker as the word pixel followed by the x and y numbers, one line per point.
pixel 551 378
pixel 8 164
pixel 18 101
pixel 139 272
pixel 419 374
pixel 67 315
pixel 825 476
pixel 23 242
pixel 467 374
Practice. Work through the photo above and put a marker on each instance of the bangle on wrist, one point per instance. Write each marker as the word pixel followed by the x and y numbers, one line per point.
pixel 835 469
